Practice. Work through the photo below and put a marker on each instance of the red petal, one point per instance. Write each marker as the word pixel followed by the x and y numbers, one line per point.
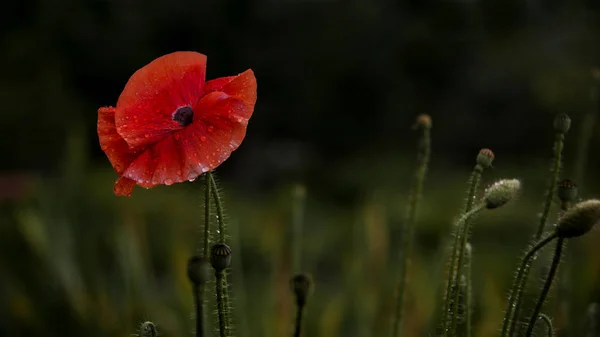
pixel 242 86
pixel 168 168
pixel 144 113
pixel 111 142
pixel 142 168
pixel 124 186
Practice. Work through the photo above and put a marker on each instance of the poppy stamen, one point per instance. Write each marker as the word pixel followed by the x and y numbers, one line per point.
pixel 184 116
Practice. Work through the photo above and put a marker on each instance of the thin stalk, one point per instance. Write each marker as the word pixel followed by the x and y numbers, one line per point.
pixel 460 263
pixel 547 285
pixel 473 185
pixel 409 226
pixel 468 293
pixel 516 292
pixel 299 312
pixel 221 232
pixel 220 304
pixel 558 148
pixel 207 192
pixel 548 321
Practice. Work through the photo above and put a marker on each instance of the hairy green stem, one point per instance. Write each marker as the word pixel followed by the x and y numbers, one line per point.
pixel 466 227
pixel 221 231
pixel 207 192
pixel 409 225
pixel 542 299
pixel 548 321
pixel 468 293
pixel 516 292
pixel 473 185
pixel 558 148
pixel 220 304
pixel 299 312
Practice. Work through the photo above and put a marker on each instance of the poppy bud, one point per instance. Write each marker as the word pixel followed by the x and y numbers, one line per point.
pixel 423 121
pixel 485 158
pixel 562 123
pixel 301 286
pixel 198 270
pixel 148 329
pixel 567 190
pixel 220 256
pixel 501 192
pixel 579 220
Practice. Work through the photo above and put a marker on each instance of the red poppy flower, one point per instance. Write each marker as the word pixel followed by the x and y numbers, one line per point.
pixel 169 125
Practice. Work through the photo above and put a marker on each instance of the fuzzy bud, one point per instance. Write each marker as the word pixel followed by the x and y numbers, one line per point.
pixel 578 220
pixel 220 256
pixel 423 121
pixel 198 270
pixel 562 123
pixel 567 190
pixel 148 329
pixel 501 192
pixel 301 286
pixel 485 157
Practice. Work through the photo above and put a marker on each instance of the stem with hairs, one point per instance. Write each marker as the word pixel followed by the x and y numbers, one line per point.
pixel 221 304
pixel 468 292
pixel 466 227
pixel 517 288
pixel 548 322
pixel 221 232
pixel 409 226
pixel 299 312
pixel 540 303
pixel 561 129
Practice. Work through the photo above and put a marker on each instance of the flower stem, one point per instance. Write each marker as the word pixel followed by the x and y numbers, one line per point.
pixel 220 304
pixel 468 293
pixel 207 192
pixel 299 312
pixel 547 285
pixel 218 205
pixel 548 321
pixel 558 148
pixel 409 226
pixel 516 292
pixel 466 227
pixel 473 185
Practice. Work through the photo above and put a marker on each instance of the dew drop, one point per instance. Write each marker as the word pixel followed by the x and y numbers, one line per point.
pixel 211 128
pixel 168 181
pixel 178 172
pixel 191 177
pixel 118 167
pixel 202 138
pixel 147 135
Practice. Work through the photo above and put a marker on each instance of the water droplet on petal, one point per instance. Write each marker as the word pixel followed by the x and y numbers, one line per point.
pixel 168 182
pixel 147 135
pixel 202 138
pixel 211 128
pixel 191 176
pixel 178 172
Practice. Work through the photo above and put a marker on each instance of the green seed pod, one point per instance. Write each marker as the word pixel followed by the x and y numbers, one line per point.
pixel 579 220
pixel 485 157
pixel 423 121
pixel 562 123
pixel 198 270
pixel 567 190
pixel 501 192
pixel 220 256
pixel 148 329
pixel 301 286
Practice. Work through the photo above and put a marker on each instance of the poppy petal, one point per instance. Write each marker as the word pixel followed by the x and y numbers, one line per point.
pixel 142 168
pixel 242 86
pixel 124 186
pixel 113 145
pixel 168 167
pixel 144 112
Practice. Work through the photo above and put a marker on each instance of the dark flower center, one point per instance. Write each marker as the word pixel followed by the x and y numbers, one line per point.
pixel 184 116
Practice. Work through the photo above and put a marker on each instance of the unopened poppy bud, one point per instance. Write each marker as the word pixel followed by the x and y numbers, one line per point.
pixel 220 256
pixel 198 270
pixel 562 123
pixel 485 157
pixel 501 192
pixel 301 286
pixel 579 220
pixel 423 121
pixel 148 329
pixel 567 190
